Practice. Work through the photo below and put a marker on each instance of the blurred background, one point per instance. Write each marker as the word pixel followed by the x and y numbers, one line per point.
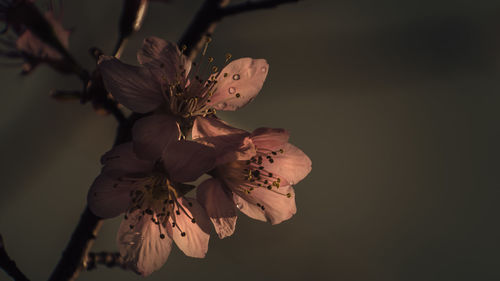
pixel 396 103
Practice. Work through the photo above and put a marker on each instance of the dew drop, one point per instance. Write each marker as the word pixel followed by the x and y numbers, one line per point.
pixel 239 206
pixel 236 77
pixel 263 69
pixel 232 90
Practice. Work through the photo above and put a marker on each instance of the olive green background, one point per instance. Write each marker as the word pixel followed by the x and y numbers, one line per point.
pixel 396 103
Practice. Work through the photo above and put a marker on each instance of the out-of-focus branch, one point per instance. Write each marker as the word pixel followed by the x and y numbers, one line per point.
pixel 212 11
pixel 252 6
pixel 104 258
pixel 9 265
pixel 202 26
pixel 81 241
pixel 131 20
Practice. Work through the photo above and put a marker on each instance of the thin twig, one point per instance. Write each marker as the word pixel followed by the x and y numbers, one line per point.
pixel 253 6
pixel 104 258
pixel 202 26
pixel 81 241
pixel 9 265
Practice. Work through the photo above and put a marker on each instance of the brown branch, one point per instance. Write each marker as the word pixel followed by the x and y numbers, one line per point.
pixel 104 258
pixel 9 265
pixel 72 261
pixel 202 26
pixel 253 6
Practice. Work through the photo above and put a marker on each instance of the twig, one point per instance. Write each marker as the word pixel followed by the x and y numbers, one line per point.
pixel 81 241
pixel 212 11
pixel 252 6
pixel 104 258
pixel 9 265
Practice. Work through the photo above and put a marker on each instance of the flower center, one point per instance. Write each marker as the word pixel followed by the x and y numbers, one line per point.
pixel 189 95
pixel 156 200
pixel 247 175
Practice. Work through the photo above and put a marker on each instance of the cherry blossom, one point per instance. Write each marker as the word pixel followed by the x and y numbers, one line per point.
pixel 254 173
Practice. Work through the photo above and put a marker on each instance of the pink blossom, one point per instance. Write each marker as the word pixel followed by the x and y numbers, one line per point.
pixel 151 194
pixel 254 173
pixel 168 82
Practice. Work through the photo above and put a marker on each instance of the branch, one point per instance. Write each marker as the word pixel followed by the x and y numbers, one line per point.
pixel 104 258
pixel 212 11
pixel 253 6
pixel 81 241
pixel 202 26
pixel 9 265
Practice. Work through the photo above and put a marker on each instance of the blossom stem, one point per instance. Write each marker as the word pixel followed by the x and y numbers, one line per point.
pixel 8 265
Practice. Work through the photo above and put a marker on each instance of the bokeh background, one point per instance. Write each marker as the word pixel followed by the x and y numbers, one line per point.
pixel 396 102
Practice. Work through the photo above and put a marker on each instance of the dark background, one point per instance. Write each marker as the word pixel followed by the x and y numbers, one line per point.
pixel 396 103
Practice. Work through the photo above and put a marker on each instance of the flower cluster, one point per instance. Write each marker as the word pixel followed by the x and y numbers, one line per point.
pixel 180 139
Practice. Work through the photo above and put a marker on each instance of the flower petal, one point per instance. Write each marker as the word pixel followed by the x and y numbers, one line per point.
pixel 140 244
pixel 186 161
pixel 122 160
pixel 194 242
pixel 134 87
pixel 267 205
pixel 158 53
pixel 219 205
pixel 152 134
pixel 230 143
pixel 238 83
pixel 292 164
pixel 269 138
pixel 108 197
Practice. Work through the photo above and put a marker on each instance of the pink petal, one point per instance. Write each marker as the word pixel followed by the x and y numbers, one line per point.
pixel 277 207
pixel 122 160
pixel 108 197
pixel 231 144
pixel 293 165
pixel 158 53
pixel 141 246
pixel 134 87
pixel 219 205
pixel 152 134
pixel 269 138
pixel 239 82
pixel 195 241
pixel 186 161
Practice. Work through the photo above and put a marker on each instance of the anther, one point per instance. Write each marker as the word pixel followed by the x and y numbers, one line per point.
pixel 193 220
pixel 183 234
pixel 162 236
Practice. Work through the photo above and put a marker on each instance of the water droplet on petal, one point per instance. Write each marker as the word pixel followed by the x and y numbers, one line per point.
pixel 232 90
pixel 239 206
pixel 236 77
pixel 263 69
